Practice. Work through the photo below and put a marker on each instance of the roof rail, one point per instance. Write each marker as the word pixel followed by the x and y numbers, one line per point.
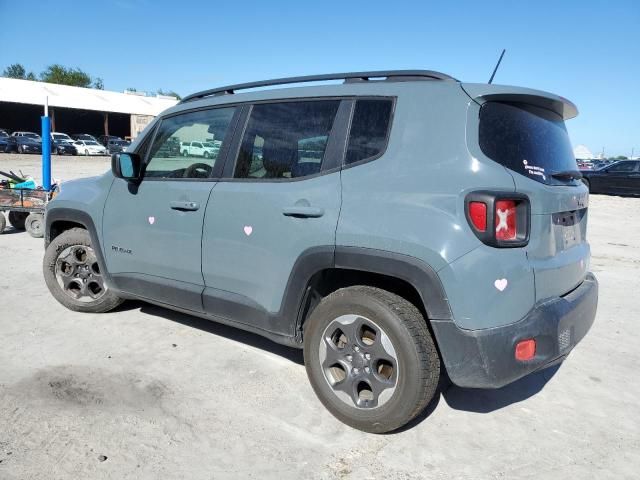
pixel 390 75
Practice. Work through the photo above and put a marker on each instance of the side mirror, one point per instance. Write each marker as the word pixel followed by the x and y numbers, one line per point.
pixel 127 166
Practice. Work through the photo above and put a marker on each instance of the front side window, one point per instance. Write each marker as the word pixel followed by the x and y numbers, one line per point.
pixel 369 129
pixel 168 160
pixel 286 140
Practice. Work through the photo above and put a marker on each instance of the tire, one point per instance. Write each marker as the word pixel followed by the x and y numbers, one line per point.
pixel 587 183
pixel 17 219
pixel 185 153
pixel 86 153
pixel 34 224
pixel 371 340
pixel 3 223
pixel 20 149
pixel 62 259
pixel 206 154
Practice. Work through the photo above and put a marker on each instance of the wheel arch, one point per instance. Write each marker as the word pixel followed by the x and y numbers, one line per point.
pixel 59 220
pixel 314 277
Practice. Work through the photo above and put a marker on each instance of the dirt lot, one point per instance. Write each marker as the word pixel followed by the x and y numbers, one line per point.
pixel 148 393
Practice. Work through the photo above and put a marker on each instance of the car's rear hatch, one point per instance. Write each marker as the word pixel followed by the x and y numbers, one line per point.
pixel 524 131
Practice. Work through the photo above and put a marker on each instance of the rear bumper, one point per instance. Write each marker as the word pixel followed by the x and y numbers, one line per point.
pixel 486 358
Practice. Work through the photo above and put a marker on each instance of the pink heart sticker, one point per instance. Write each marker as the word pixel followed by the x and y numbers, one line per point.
pixel 248 230
pixel 501 284
pixel 152 220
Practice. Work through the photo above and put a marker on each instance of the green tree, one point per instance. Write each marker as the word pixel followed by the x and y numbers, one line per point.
pixel 621 157
pixel 168 93
pixel 98 84
pixel 18 71
pixel 61 75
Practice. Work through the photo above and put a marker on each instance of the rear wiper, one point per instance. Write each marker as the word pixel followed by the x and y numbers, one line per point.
pixel 567 175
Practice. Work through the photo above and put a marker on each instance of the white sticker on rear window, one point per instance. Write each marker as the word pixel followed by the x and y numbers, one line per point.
pixel 533 170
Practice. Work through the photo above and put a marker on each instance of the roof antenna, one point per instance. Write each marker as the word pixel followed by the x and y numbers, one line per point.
pixel 497 65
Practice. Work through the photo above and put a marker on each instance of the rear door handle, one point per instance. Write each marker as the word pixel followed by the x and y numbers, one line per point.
pixel 303 212
pixel 184 206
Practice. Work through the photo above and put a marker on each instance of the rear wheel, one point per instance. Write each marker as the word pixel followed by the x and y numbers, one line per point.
pixel 34 224
pixel 17 219
pixel 3 223
pixel 73 275
pixel 370 358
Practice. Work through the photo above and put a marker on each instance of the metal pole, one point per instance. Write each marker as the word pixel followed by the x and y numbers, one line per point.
pixel 46 147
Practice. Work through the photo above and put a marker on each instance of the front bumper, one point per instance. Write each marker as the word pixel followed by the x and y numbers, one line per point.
pixel 486 358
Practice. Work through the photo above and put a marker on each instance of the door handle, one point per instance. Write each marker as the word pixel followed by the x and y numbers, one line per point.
pixel 184 206
pixel 299 211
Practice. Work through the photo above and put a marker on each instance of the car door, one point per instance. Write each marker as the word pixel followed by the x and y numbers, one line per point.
pixel 196 149
pixel 617 178
pixel 634 179
pixel 152 232
pixel 280 204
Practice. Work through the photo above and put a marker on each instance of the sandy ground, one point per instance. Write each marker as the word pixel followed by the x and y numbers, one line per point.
pixel 145 393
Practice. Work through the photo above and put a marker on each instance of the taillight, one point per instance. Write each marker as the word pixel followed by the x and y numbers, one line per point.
pixel 499 219
pixel 478 215
pixel 506 227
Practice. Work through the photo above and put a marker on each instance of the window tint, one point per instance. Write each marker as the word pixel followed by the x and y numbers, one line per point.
pixel 286 140
pixel 623 167
pixel 529 140
pixel 173 154
pixel 369 128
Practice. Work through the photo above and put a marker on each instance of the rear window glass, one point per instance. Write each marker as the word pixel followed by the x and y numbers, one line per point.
pixel 529 140
pixel 369 129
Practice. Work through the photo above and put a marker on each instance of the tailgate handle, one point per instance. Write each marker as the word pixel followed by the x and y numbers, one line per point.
pixel 184 206
pixel 299 211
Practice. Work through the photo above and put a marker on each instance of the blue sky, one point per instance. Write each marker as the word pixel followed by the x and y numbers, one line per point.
pixel 587 51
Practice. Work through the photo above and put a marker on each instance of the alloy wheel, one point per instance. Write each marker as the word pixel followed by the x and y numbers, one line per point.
pixel 359 361
pixel 78 274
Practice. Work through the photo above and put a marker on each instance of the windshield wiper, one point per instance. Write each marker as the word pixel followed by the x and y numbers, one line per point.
pixel 567 175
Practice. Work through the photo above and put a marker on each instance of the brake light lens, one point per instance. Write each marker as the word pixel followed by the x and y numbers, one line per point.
pixel 499 219
pixel 506 220
pixel 478 215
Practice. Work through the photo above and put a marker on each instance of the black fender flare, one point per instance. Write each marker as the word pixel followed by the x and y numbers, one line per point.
pixel 80 217
pixel 404 267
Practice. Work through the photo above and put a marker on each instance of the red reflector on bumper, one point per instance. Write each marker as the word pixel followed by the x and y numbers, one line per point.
pixel 525 349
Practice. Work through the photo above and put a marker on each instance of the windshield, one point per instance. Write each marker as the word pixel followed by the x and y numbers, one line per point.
pixel 32 135
pixel 60 136
pixel 90 142
pixel 529 140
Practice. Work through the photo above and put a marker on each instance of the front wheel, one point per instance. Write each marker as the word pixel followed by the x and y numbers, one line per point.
pixel 587 183
pixel 86 153
pixel 73 275
pixel 370 358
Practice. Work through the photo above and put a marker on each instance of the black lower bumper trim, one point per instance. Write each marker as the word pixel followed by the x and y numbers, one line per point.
pixel 486 358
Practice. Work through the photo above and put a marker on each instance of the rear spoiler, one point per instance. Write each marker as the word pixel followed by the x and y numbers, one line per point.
pixel 482 92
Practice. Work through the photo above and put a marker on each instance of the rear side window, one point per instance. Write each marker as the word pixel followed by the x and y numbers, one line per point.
pixel 529 140
pixel 623 167
pixel 369 129
pixel 286 140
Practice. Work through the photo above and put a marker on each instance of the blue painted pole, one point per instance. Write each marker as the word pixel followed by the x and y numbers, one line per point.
pixel 46 152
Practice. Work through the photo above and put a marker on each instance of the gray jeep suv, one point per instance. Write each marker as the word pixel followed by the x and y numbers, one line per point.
pixel 396 226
